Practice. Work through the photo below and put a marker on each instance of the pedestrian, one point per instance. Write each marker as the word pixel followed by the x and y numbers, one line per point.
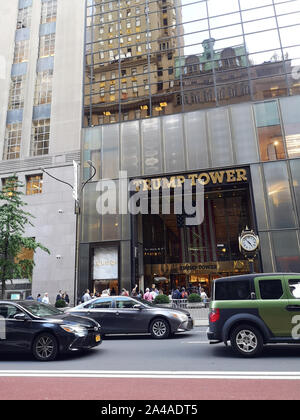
pixel 176 294
pixel 39 298
pixel 134 291
pixel 154 291
pixel 67 299
pixel 29 297
pixel 59 296
pixel 124 292
pixel 204 297
pixel 184 294
pixel 148 296
pixel 86 297
pixel 105 293
pixel 46 299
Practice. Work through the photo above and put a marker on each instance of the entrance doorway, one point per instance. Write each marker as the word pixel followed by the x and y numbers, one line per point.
pixel 176 255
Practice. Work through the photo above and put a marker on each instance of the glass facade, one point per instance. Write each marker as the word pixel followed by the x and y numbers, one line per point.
pixel 149 58
pixel 197 90
pixel 214 142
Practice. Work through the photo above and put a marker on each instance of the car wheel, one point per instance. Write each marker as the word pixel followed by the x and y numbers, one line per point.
pixel 45 347
pixel 246 341
pixel 159 328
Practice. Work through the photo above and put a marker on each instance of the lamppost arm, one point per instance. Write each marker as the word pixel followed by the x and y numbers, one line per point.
pixel 91 177
pixel 57 179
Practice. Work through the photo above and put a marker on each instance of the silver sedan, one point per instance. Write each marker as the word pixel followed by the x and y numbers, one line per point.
pixel 126 315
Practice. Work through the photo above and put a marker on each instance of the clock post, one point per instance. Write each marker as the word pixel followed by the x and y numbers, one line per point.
pixel 249 246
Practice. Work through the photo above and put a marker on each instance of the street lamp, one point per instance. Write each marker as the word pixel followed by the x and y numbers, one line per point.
pixel 77 194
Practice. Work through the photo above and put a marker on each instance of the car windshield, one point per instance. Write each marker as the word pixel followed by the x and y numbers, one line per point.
pixel 41 309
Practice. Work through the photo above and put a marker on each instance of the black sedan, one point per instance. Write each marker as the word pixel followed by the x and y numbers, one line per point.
pixel 44 330
pixel 122 315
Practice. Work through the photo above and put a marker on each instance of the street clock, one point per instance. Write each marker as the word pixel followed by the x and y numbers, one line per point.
pixel 248 243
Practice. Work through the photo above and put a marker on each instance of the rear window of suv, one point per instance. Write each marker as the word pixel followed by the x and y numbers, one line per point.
pixel 270 289
pixel 233 290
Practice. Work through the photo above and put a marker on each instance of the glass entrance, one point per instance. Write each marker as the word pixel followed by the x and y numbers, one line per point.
pixel 176 255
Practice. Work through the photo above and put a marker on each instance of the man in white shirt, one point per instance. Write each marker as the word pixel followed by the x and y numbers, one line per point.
pixel 46 299
pixel 87 296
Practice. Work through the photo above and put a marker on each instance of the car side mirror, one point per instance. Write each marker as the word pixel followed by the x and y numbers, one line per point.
pixel 20 317
pixel 138 306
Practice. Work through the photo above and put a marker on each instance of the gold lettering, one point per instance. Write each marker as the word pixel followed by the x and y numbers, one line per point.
pixel 171 184
pixel 204 178
pixel 231 175
pixel 137 183
pixel 147 185
pixel 241 175
pixel 193 177
pixel 156 183
pixel 217 177
pixel 181 180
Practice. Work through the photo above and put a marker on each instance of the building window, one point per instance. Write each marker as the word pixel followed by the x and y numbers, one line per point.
pixel 47 45
pixel 21 51
pixel 40 137
pixel 49 9
pixel 34 184
pixel 12 141
pixel 43 88
pixel 16 93
pixel 24 18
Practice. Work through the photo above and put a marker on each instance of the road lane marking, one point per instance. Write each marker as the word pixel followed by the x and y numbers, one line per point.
pixel 151 374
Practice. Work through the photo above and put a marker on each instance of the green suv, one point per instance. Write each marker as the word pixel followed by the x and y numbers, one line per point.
pixel 253 310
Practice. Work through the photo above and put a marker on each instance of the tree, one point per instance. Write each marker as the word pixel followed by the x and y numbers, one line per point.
pixel 13 220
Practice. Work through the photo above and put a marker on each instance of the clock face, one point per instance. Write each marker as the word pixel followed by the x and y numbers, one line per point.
pixel 249 243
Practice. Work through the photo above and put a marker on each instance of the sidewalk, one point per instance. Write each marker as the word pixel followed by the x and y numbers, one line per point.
pixel 198 311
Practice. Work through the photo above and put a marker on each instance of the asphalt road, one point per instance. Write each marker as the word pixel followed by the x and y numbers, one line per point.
pixel 184 352
pixel 134 367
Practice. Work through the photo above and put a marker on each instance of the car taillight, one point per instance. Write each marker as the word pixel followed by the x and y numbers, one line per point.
pixel 214 315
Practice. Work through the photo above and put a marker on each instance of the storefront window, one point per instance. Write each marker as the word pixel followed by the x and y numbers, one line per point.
pixel 269 131
pixel 176 254
pixel 291 121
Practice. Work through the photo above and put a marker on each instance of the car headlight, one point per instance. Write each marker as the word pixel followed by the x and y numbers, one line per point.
pixel 181 317
pixel 75 329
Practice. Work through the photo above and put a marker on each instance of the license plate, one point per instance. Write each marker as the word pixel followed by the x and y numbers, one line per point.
pixel 97 338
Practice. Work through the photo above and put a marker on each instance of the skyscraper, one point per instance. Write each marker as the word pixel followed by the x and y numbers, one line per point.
pixel 40 124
